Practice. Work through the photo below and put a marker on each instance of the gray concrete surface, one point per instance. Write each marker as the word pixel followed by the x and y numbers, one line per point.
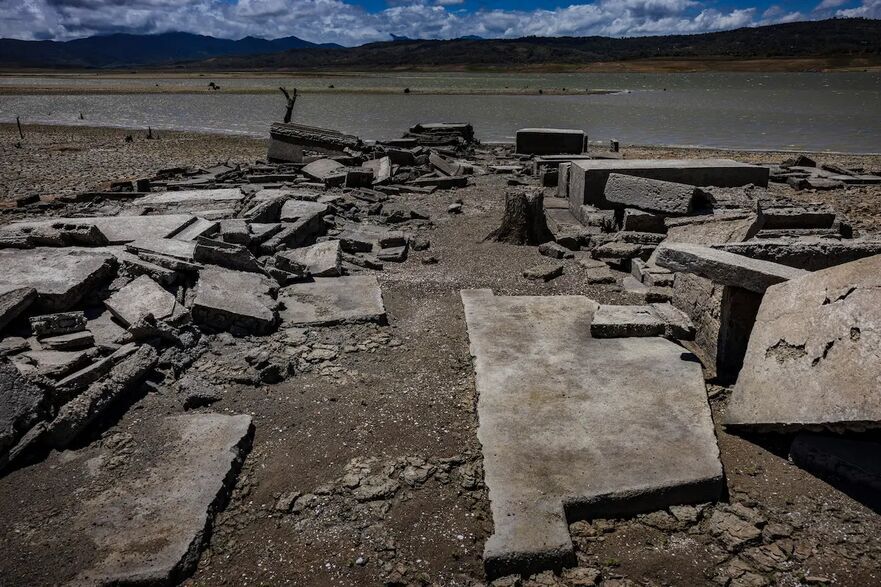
pixel 576 427
pixel 235 301
pixel 356 298
pixel 123 229
pixel 141 297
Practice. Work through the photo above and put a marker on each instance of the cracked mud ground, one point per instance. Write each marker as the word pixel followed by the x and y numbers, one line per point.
pixel 365 467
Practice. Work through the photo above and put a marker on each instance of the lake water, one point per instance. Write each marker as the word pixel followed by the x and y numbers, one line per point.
pixel 793 111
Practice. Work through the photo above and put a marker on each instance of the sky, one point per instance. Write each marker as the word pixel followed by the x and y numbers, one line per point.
pixel 355 22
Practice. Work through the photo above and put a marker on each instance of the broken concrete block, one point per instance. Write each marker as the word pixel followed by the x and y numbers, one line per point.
pixel 814 355
pixel 786 217
pixel 57 324
pixel 623 321
pixel 549 141
pixel 280 152
pixel 68 342
pixel 266 210
pixel 235 301
pixel 443 183
pixel 320 260
pixel 121 229
pixel 574 427
pixel 14 301
pixel 649 295
pixel 544 272
pixel 235 231
pixel 393 254
pixel 61 277
pixel 52 364
pixel 167 247
pixel 73 383
pixel 810 254
pixel 141 297
pixel 554 251
pixel 294 234
pixel 195 199
pixel 381 168
pixel 448 168
pixel 641 221
pixel 651 195
pixel 323 168
pixel 565 228
pixel 356 298
pixel 587 179
pixel 294 210
pixel 677 324
pixel 21 405
pixel 313 138
pixel 723 267
pixel 228 255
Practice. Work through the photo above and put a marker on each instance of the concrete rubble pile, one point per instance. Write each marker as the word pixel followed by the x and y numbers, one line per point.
pixel 776 294
pixel 107 295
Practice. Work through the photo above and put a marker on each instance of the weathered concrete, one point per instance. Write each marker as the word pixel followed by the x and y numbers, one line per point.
pixel 642 221
pixel 651 195
pixel 61 277
pixel 549 141
pixel 313 137
pixel 294 210
pixel 14 301
pixel 150 529
pixel 320 260
pixel 357 298
pixel 810 254
pixel 183 250
pixel 724 267
pixel 649 320
pixel 227 255
pixel 235 301
pixel 323 168
pixel 587 179
pixel 574 427
pixel 195 199
pixel 57 324
pixel 20 406
pixel 123 229
pixel 814 357
pixel 69 342
pixel 141 297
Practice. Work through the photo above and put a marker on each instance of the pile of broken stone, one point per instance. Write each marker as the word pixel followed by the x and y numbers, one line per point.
pixel 776 297
pixel 103 290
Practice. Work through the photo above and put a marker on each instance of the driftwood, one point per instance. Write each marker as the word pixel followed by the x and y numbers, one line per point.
pixel 524 220
pixel 289 109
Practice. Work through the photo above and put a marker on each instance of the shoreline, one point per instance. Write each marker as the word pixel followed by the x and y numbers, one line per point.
pixel 233 134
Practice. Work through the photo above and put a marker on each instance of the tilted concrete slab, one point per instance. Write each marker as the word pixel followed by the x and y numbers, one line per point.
pixel 183 250
pixel 724 267
pixel 814 356
pixel 811 254
pixel 294 210
pixel 320 260
pixel 124 229
pixel 14 301
pixel 587 179
pixel 151 528
pixel 575 427
pixel 236 301
pixel 225 196
pixel 141 297
pixel 60 276
pixel 327 301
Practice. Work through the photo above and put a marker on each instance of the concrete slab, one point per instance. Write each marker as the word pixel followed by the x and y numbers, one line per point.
pixel 320 260
pixel 14 301
pixel 611 321
pixel 169 247
pixel 150 529
pixel 124 229
pixel 724 267
pixel 811 254
pixel 814 356
pixel 20 406
pixel 549 141
pixel 235 301
pixel 199 227
pixel 61 277
pixel 324 302
pixel 651 195
pixel 294 210
pixel 575 427
pixel 587 179
pixel 186 198
pixel 323 168
pixel 141 297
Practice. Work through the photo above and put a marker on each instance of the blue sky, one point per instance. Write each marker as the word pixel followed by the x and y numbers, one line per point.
pixel 354 22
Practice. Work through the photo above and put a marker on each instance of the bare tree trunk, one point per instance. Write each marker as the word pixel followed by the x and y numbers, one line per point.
pixel 290 105
pixel 524 220
pixel 18 122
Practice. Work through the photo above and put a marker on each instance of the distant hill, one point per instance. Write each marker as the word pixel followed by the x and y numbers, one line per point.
pixel 124 50
pixel 846 38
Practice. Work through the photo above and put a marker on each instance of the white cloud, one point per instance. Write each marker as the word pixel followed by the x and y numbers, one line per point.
pixel 827 4
pixel 342 22
pixel 868 9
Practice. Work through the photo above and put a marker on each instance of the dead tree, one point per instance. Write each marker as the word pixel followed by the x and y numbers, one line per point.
pixel 290 106
pixel 524 220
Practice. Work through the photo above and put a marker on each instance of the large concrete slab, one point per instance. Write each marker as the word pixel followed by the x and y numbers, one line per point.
pixel 356 298
pixel 814 356
pixel 723 267
pixel 652 195
pixel 236 301
pixel 124 229
pixel 320 260
pixel 60 276
pixel 575 427
pixel 214 198
pixel 149 529
pixel 811 254
pixel 141 297
pixel 587 179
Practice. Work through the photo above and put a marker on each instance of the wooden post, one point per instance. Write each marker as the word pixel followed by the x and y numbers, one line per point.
pixel 18 122
pixel 289 109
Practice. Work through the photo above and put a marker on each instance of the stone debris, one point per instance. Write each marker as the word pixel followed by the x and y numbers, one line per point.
pixel 143 297
pixel 14 301
pixel 816 340
pixel 621 425
pixel 48 325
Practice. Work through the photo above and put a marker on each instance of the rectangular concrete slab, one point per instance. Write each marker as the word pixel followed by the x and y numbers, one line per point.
pixel 225 196
pixel 574 427
pixel 356 298
pixel 235 301
pixel 60 276
pixel 124 229
pixel 587 179
pixel 724 267
pixel 814 356
pixel 141 297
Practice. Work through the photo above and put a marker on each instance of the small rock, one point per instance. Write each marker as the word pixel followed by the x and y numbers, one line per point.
pixel 544 272
pixel 285 503
pixel 555 251
pixel 454 208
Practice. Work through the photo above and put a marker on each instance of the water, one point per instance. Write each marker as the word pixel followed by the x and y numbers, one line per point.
pixel 794 111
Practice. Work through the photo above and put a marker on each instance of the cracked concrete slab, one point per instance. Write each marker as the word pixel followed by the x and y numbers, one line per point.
pixel 122 229
pixel 575 427
pixel 336 300
pixel 814 356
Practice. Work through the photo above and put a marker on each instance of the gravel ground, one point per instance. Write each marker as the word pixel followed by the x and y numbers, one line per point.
pixel 394 407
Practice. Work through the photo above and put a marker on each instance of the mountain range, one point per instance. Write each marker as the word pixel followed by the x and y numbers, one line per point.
pixel 848 41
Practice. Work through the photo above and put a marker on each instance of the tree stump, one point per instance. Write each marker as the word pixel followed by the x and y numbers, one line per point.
pixel 524 220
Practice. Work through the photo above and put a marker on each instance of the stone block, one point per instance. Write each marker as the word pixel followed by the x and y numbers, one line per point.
pixel 814 356
pixel 641 221
pixel 21 405
pixel 14 301
pixel 351 299
pixel 548 141
pixel 227 255
pixel 320 260
pixel 809 254
pixel 235 301
pixel 119 230
pixel 141 297
pixel 650 195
